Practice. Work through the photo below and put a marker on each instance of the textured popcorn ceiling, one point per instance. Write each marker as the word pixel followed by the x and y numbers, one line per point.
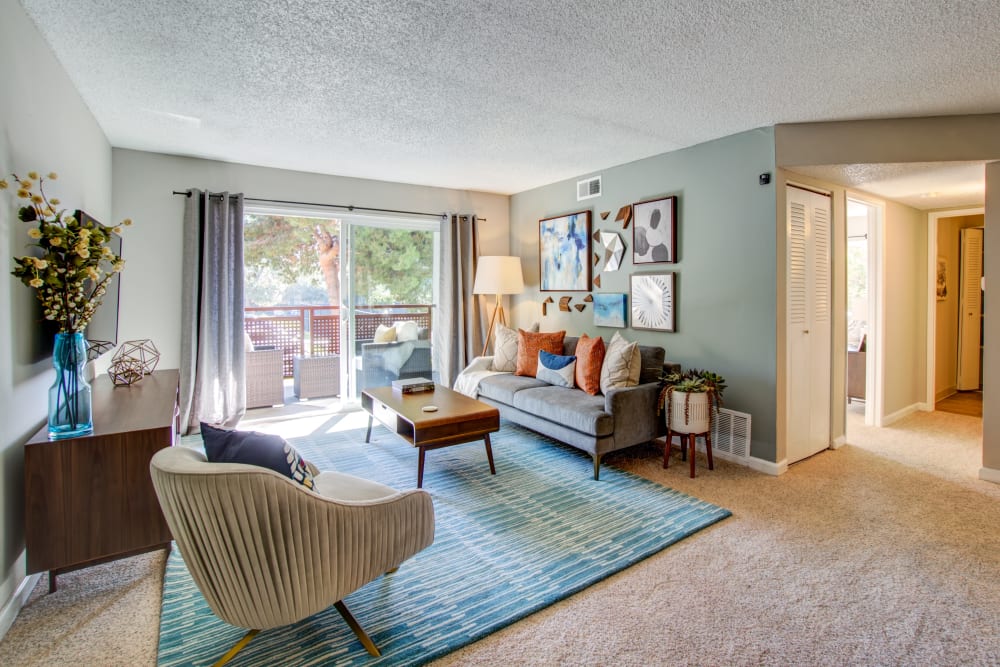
pixel 505 95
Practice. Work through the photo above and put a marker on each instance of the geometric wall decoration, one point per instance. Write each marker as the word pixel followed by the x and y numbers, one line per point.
pixel 614 250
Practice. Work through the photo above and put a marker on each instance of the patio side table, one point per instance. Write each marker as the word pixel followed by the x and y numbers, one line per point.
pixel 315 377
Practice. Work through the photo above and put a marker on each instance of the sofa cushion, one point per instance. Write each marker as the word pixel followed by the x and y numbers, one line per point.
pixel 528 346
pixel 501 388
pixel 556 369
pixel 589 360
pixel 384 334
pixel 622 364
pixel 570 407
pixel 406 330
pixel 652 363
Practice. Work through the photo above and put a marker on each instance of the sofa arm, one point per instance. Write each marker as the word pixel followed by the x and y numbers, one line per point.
pixel 634 412
pixel 479 364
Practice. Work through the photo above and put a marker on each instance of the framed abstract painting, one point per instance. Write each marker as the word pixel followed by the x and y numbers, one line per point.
pixel 653 301
pixel 564 253
pixel 654 231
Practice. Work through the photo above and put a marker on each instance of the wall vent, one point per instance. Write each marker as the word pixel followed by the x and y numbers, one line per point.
pixel 587 188
pixel 731 435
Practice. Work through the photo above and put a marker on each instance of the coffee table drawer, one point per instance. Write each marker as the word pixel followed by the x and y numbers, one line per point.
pixel 386 415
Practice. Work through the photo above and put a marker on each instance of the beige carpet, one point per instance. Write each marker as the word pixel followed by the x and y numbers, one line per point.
pixel 885 551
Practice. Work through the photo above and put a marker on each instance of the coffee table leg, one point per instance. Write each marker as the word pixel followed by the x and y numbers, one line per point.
pixel 420 469
pixel 489 454
pixel 368 435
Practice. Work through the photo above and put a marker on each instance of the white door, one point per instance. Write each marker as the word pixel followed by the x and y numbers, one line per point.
pixel 809 317
pixel 970 309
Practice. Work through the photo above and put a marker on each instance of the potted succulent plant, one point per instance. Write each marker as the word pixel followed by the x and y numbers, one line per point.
pixel 691 397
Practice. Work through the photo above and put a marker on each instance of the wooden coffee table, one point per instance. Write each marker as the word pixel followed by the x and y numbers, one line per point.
pixel 458 419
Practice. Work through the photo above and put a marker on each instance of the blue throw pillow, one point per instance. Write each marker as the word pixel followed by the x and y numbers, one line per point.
pixel 556 369
pixel 258 449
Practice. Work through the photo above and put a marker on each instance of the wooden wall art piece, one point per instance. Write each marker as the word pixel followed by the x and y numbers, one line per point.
pixel 564 303
pixel 624 215
pixel 597 281
pixel 564 253
pixel 589 298
pixel 605 214
pixel 654 234
pixel 580 306
pixel 597 259
pixel 545 305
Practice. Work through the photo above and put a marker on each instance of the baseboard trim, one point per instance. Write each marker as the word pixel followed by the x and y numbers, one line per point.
pixel 900 414
pixel 838 442
pixel 767 467
pixel 988 474
pixel 14 604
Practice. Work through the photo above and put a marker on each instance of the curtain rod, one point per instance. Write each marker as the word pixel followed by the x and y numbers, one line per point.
pixel 349 207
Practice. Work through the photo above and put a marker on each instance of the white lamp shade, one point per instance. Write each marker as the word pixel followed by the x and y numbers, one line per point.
pixel 498 275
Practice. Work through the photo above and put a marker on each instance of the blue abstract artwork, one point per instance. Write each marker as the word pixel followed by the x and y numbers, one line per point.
pixel 610 310
pixel 564 253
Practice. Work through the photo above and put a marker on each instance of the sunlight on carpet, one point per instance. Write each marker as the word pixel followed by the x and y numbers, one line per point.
pixel 505 546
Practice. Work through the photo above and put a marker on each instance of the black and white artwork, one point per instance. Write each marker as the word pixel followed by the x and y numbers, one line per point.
pixel 654 231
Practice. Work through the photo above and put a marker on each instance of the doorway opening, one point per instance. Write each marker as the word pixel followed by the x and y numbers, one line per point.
pixel 862 300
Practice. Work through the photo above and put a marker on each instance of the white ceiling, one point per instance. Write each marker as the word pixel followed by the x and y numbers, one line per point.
pixel 505 95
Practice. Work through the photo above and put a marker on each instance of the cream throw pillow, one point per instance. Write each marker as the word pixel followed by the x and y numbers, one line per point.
pixel 622 363
pixel 504 349
pixel 405 330
pixel 384 334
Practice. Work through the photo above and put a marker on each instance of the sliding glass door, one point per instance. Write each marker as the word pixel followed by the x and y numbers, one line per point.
pixel 391 274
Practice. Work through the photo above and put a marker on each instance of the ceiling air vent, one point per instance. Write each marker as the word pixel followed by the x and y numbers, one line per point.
pixel 588 188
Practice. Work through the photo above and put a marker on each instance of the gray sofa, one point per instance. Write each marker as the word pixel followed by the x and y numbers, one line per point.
pixel 596 424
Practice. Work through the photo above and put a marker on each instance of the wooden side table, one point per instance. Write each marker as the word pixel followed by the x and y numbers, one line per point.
pixel 314 377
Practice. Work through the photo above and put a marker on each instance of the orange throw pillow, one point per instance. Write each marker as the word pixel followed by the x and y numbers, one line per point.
pixel 528 345
pixel 589 360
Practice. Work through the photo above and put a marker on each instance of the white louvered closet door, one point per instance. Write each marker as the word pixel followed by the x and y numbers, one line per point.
pixel 809 322
pixel 970 309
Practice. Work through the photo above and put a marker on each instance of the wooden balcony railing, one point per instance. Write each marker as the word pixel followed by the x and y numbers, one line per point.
pixel 315 330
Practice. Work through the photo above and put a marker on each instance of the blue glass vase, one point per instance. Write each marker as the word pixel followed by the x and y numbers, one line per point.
pixel 70 410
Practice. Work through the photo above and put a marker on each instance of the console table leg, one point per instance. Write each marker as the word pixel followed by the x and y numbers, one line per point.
pixel 368 435
pixel 489 454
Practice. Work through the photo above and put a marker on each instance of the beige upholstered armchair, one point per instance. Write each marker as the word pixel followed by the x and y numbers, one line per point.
pixel 266 551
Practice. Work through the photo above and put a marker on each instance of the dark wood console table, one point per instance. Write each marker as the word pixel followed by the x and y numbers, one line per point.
pixel 90 499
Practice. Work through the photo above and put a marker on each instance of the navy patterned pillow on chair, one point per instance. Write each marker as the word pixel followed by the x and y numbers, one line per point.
pixel 258 449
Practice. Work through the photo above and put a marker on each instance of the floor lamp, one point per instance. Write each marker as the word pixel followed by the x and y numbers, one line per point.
pixel 497 275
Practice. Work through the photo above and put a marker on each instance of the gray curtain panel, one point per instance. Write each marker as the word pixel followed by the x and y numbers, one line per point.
pixel 459 336
pixel 212 364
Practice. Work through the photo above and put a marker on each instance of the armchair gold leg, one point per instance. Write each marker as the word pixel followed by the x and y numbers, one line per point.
pixel 231 653
pixel 358 630
pixel 393 570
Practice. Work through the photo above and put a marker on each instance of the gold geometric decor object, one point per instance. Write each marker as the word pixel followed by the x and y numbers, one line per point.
pixel 133 360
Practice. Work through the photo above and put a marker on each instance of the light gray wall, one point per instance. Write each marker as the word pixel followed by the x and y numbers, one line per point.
pixel 151 282
pixel 44 126
pixel 725 276
pixel 905 327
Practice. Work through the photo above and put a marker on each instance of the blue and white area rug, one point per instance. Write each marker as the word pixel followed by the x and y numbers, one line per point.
pixel 505 546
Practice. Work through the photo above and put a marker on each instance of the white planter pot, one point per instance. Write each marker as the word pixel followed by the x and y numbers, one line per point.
pixel 698 412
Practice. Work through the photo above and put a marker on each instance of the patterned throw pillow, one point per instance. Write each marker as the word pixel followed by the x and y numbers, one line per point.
pixel 384 334
pixel 504 349
pixel 556 369
pixel 258 449
pixel 622 363
pixel 528 346
pixel 589 361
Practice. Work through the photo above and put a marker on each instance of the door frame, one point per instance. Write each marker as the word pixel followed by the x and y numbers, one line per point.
pixel 875 349
pixel 930 398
